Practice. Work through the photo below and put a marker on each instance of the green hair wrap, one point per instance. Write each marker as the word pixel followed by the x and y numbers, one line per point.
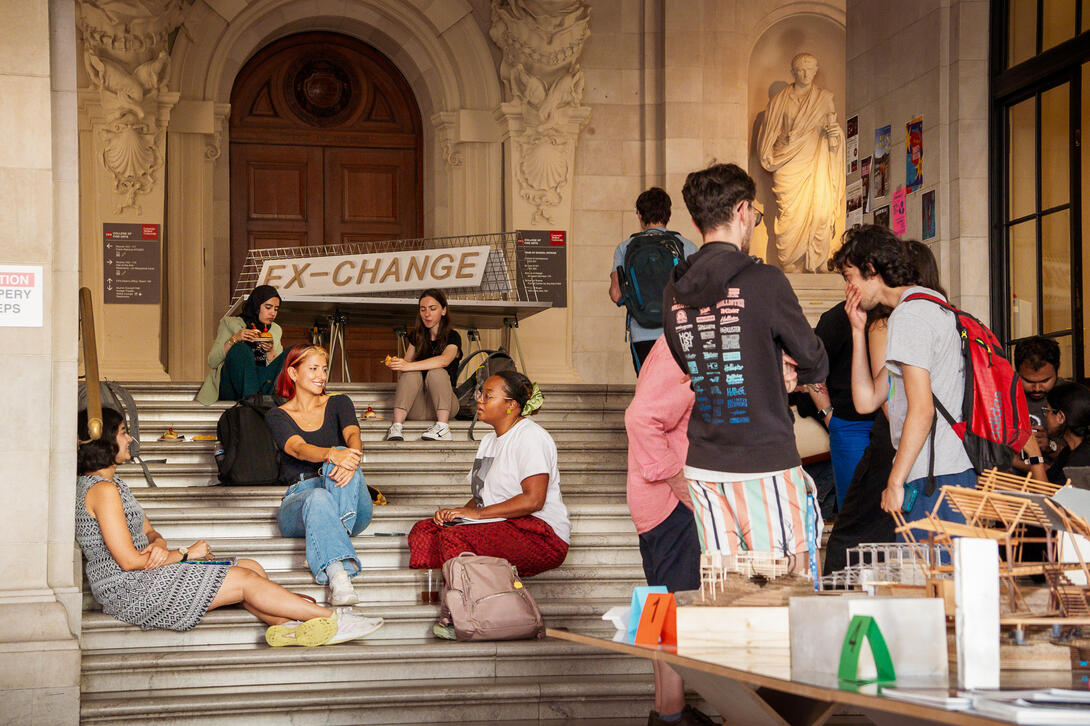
pixel 534 402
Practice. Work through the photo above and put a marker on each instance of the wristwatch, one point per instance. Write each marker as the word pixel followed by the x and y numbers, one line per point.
pixel 1033 460
pixel 185 553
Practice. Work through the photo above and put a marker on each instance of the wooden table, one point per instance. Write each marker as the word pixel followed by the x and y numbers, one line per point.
pixel 756 691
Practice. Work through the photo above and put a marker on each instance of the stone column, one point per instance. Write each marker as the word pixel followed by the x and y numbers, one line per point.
pixel 541 42
pixel 124 110
pixel 40 603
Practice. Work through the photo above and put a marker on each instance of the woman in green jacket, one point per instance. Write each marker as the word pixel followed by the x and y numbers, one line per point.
pixel 246 356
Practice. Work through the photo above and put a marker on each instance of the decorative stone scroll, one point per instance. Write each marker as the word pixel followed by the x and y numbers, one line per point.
pixel 541 42
pixel 125 52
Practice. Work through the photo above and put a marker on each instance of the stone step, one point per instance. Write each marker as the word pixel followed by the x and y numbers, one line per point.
pixel 364 394
pixel 384 586
pixel 423 473
pixel 235 626
pixel 257 522
pixel 405 453
pixel 282 553
pixel 597 490
pixel 361 661
pixel 155 422
pixel 592 700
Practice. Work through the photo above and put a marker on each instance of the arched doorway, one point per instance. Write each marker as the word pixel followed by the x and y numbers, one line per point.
pixel 325 148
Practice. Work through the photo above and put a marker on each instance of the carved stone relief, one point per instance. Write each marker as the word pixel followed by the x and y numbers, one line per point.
pixel 541 42
pixel 125 52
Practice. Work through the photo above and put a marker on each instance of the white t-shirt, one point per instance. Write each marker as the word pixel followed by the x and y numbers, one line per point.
pixel 502 462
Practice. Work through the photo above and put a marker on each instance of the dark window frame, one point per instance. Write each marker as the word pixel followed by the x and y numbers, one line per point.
pixel 1009 86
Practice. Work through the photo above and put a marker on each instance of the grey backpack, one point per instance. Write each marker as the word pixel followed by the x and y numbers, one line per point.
pixel 485 600
pixel 115 396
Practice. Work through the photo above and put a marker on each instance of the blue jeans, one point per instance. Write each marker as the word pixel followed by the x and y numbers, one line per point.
pixel 328 517
pixel 926 503
pixel 847 442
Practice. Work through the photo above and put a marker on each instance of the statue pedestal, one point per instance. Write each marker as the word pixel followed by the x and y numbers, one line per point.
pixel 817 292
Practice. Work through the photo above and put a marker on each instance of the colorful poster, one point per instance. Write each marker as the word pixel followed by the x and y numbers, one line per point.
pixel 855 203
pixel 881 216
pixel 880 171
pixel 899 222
pixel 852 151
pixel 914 154
pixel 864 176
pixel 928 214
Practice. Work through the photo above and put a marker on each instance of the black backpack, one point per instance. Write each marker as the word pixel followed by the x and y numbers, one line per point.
pixel 249 455
pixel 648 262
pixel 494 362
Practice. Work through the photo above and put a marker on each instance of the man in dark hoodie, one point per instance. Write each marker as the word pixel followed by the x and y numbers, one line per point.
pixel 730 320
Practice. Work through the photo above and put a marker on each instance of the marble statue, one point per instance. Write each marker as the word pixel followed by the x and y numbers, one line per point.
pixel 801 144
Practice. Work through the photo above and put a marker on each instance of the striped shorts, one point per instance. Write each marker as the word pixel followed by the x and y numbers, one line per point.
pixel 766 514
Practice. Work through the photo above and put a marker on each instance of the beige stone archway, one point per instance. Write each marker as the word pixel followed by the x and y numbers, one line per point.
pixel 442 52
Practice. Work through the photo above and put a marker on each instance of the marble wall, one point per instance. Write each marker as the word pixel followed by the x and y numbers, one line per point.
pixel 40 601
pixel 930 58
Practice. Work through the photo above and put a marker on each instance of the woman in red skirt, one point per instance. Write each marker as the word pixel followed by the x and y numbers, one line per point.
pixel 516 511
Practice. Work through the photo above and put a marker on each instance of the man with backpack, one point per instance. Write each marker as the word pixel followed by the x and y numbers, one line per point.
pixel 927 375
pixel 641 267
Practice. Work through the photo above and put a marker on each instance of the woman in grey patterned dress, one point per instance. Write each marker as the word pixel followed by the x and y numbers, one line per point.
pixel 138 580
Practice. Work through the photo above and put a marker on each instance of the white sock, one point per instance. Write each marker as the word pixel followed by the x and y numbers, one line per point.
pixel 336 572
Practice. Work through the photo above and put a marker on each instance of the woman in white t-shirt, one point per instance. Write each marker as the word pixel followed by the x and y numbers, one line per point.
pixel 516 511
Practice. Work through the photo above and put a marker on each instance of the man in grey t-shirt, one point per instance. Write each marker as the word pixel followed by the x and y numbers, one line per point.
pixel 923 358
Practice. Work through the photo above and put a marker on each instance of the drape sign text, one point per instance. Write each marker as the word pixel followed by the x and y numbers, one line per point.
pixel 379 272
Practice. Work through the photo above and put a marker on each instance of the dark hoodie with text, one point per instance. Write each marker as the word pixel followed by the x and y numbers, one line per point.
pixel 728 319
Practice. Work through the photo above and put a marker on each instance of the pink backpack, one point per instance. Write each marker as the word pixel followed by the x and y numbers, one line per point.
pixel 486 600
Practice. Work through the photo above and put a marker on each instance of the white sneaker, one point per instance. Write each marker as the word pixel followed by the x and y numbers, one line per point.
pixel 438 432
pixel 394 433
pixel 341 591
pixel 351 626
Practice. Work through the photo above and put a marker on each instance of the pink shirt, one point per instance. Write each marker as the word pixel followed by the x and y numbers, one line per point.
pixel 656 421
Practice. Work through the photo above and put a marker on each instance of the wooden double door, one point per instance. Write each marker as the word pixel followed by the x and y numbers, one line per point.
pixel 325 149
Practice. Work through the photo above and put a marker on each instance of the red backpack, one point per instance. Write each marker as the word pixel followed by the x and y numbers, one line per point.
pixel 995 417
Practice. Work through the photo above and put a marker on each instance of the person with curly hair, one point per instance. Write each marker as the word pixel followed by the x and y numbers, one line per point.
pixel 516 511
pixel 923 364
pixel 137 578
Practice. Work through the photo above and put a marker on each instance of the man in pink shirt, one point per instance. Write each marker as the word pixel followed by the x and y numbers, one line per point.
pixel 658 497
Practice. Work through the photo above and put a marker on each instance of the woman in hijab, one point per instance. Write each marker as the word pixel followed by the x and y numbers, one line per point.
pixel 246 356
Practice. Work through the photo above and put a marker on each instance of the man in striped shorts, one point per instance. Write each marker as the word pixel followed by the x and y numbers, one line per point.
pixel 729 321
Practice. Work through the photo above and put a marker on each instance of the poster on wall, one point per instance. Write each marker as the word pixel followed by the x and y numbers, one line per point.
pixel 131 264
pixel 22 289
pixel 928 214
pixel 542 259
pixel 914 154
pixel 852 151
pixel 880 170
pixel 881 216
pixel 898 218
pixel 864 177
pixel 855 203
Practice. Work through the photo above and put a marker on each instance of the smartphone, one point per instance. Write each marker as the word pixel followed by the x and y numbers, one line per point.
pixel 911 493
pixel 221 561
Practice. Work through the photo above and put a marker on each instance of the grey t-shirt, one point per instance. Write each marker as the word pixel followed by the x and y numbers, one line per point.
pixel 924 335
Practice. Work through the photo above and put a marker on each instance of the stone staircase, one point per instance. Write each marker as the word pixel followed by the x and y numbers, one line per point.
pixel 222 672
